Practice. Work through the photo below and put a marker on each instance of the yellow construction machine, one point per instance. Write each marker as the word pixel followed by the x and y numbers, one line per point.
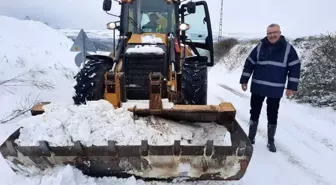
pixel 163 50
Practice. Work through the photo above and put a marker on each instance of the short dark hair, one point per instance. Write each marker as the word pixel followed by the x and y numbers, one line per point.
pixel 273 25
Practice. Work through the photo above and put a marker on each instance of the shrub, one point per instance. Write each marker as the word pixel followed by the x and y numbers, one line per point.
pixel 318 79
pixel 223 47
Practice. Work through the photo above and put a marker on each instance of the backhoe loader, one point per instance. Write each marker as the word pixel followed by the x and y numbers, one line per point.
pixel 163 50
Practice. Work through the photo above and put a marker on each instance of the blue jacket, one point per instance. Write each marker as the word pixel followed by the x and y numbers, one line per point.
pixel 270 65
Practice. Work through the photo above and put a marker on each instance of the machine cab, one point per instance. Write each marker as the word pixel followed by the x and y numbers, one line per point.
pixel 189 22
pixel 148 16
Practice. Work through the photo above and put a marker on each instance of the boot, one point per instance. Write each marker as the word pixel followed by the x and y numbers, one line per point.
pixel 252 131
pixel 271 133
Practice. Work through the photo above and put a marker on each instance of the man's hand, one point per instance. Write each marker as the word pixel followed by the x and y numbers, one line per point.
pixel 244 87
pixel 289 92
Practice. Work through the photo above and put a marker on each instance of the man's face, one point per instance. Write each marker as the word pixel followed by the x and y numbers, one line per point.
pixel 273 34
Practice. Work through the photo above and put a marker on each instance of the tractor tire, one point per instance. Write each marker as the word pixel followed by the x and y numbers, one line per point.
pixel 90 79
pixel 194 81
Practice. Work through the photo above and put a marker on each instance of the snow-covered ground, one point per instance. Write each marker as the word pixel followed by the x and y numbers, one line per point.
pixel 35 64
pixel 305 137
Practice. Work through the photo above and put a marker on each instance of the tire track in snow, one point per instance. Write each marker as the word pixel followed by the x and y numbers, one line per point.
pixel 324 141
pixel 280 146
pixel 294 134
pixel 233 91
pixel 313 135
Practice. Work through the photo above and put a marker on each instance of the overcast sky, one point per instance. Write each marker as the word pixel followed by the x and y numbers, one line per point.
pixel 241 17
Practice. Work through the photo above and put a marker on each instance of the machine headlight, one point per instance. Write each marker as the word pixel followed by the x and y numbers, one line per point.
pixel 111 25
pixel 184 26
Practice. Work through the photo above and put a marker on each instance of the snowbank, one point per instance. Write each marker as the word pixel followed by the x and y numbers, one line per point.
pixel 35 64
pixel 236 57
pixel 97 122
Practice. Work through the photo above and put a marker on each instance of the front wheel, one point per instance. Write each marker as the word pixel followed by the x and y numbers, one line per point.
pixel 90 80
pixel 194 82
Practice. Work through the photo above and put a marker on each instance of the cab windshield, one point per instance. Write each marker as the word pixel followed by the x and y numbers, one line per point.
pixel 151 16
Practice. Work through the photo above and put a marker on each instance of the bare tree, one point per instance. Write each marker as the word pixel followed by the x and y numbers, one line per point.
pixel 25 106
pixel 29 78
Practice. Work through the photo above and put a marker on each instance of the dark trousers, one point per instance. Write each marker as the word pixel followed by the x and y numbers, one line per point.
pixel 272 108
pixel 272 115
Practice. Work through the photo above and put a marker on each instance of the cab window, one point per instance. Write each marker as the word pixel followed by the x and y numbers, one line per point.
pixel 154 22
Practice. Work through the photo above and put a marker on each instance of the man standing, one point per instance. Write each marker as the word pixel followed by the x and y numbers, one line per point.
pixel 271 61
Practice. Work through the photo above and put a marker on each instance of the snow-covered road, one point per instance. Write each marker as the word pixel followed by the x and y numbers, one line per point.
pixel 305 138
pixel 305 142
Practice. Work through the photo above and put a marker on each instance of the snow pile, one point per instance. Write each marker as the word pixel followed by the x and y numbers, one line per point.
pixel 148 49
pixel 35 64
pixel 151 39
pixel 97 122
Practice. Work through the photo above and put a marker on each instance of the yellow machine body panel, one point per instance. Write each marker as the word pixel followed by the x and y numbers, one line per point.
pixel 141 38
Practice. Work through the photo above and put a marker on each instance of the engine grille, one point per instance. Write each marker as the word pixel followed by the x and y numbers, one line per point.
pixel 137 70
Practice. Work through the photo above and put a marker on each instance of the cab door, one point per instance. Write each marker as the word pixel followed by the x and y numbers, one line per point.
pixel 199 35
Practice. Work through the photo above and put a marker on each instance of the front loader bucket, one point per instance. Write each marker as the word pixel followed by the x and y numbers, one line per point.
pixel 148 162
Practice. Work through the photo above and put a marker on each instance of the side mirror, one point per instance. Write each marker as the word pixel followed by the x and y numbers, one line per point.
pixel 107 4
pixel 191 7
